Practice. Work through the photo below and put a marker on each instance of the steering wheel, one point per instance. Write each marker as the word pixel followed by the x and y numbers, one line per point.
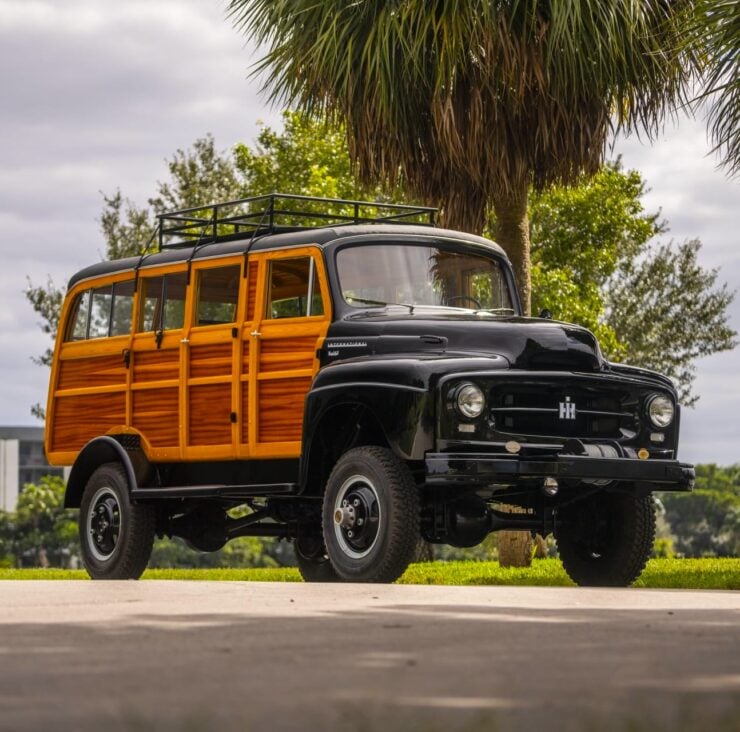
pixel 468 298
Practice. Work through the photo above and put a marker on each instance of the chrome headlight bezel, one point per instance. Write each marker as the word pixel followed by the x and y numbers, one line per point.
pixel 661 411
pixel 469 400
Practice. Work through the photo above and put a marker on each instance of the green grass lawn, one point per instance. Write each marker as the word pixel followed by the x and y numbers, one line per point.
pixel 697 574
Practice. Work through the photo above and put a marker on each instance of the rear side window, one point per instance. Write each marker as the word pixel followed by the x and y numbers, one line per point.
pixel 163 302
pixel 218 291
pixel 102 311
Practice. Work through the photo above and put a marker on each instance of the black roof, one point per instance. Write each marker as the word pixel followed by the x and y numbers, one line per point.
pixel 319 236
pixel 274 221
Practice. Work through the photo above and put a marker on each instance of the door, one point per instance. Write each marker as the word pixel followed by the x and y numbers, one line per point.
pixel 212 346
pixel 288 322
pixel 156 361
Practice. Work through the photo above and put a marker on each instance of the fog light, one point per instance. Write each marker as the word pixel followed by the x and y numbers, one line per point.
pixel 643 454
pixel 550 486
pixel 657 437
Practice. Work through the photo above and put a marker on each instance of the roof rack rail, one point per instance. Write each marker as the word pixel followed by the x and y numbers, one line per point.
pixel 278 212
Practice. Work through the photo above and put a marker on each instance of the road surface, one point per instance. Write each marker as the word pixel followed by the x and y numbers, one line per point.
pixel 187 656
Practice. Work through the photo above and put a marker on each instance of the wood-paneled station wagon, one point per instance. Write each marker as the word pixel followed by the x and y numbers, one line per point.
pixel 358 379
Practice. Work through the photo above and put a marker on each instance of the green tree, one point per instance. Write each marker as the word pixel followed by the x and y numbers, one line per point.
pixel 707 521
pixel 596 263
pixel 41 531
pixel 473 103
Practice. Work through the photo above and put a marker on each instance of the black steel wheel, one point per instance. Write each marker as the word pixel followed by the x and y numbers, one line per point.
pixel 116 536
pixel 370 516
pixel 606 539
pixel 313 561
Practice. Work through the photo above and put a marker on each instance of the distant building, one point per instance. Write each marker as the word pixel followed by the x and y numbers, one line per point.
pixel 22 460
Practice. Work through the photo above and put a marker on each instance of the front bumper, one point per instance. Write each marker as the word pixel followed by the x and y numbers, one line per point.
pixel 483 469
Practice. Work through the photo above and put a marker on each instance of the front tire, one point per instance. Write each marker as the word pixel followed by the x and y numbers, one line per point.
pixel 605 540
pixel 313 561
pixel 116 536
pixel 370 516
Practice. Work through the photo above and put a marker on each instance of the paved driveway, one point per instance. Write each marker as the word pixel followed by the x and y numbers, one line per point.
pixel 261 656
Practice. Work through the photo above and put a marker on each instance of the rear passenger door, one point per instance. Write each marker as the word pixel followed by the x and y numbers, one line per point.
pixel 156 361
pixel 290 320
pixel 212 357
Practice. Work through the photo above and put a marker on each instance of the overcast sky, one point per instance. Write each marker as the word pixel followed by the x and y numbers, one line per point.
pixel 95 94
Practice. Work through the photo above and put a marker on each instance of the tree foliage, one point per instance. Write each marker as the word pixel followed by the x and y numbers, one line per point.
pixel 707 521
pixel 40 532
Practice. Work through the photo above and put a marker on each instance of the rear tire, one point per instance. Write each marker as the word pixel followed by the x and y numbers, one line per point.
pixel 605 540
pixel 116 536
pixel 370 516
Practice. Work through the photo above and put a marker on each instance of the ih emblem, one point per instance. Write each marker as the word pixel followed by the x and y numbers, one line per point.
pixel 567 409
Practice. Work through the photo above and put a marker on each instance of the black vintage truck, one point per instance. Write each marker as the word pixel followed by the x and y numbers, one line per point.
pixel 359 379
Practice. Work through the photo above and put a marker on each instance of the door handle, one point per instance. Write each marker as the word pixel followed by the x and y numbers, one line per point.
pixel 255 334
pixel 184 340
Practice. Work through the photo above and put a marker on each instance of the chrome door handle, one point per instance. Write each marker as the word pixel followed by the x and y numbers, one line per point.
pixel 255 334
pixel 185 340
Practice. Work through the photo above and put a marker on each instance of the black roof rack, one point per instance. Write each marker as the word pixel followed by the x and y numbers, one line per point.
pixel 278 212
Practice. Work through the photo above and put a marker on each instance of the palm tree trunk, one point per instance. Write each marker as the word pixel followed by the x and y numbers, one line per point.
pixel 512 233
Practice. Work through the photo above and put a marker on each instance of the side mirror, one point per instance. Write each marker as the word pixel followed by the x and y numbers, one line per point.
pixel 545 313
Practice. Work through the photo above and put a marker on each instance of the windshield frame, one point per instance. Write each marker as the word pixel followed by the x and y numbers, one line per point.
pixel 487 250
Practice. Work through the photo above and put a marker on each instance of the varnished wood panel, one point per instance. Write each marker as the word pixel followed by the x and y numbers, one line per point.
pixel 155 415
pixel 77 419
pixel 251 289
pixel 92 371
pixel 285 354
pixel 157 365
pixel 210 414
pixel 245 357
pixel 244 402
pixel 210 360
pixel 281 409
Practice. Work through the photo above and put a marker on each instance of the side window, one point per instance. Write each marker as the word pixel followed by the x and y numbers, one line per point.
pixel 78 320
pixel 101 312
pixel 163 302
pixel 218 291
pixel 293 289
pixel 123 307
pixel 102 298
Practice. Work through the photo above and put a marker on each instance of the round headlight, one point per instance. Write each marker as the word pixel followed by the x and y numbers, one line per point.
pixel 661 411
pixel 470 401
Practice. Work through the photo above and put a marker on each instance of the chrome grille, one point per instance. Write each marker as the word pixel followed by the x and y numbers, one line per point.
pixel 564 410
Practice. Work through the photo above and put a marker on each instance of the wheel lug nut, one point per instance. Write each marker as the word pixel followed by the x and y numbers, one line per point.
pixel 350 533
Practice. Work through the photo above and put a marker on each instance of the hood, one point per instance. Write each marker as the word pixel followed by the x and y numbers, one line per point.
pixel 526 343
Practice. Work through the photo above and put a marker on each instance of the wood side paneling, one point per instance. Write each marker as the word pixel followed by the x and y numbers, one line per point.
pixel 77 419
pixel 285 354
pixel 157 365
pixel 244 403
pixel 210 414
pixel 251 289
pixel 155 415
pixel 210 360
pixel 245 357
pixel 281 404
pixel 92 371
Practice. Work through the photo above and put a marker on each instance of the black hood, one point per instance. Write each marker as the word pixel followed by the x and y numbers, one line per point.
pixel 526 343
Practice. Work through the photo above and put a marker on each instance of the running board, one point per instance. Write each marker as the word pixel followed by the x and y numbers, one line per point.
pixel 256 490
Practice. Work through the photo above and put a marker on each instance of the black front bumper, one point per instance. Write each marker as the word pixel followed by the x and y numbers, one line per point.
pixel 482 469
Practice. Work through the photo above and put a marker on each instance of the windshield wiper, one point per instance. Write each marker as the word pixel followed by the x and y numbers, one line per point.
pixel 496 311
pixel 366 301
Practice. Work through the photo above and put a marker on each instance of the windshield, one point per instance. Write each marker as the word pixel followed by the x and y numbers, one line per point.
pixel 413 275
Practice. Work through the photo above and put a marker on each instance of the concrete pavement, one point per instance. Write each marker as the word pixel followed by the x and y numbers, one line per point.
pixel 158 655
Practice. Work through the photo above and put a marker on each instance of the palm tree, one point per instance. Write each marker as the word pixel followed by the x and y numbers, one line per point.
pixel 718 26
pixel 469 103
